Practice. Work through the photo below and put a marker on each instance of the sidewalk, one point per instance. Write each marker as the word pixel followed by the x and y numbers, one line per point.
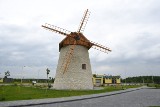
pixel 64 99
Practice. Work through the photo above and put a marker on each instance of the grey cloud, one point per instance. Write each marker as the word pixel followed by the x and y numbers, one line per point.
pixel 15 50
pixel 143 48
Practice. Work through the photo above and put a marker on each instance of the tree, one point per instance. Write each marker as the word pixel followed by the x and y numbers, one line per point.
pixel 7 73
pixel 47 72
pixel 53 80
pixel 47 75
pixel 141 79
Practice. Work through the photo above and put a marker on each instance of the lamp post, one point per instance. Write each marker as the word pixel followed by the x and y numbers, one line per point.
pixel 143 81
pixel 22 74
pixel 38 75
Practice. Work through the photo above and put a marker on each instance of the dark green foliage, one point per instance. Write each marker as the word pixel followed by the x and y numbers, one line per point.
pixel 47 71
pixel 157 86
pixel 141 79
pixel 7 74
pixel 2 99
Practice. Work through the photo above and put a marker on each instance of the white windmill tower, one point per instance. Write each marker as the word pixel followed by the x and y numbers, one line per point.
pixel 74 68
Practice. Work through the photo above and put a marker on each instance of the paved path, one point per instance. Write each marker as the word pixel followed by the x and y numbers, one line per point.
pixel 138 97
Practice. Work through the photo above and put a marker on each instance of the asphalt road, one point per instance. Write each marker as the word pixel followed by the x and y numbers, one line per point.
pixel 138 98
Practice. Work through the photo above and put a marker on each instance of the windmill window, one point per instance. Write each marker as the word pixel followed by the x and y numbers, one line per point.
pixel 83 66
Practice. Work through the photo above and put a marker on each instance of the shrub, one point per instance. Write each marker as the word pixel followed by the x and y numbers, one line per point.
pixel 15 84
pixel 2 99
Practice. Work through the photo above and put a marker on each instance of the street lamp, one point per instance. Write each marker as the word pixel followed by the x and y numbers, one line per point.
pixel 38 75
pixel 22 74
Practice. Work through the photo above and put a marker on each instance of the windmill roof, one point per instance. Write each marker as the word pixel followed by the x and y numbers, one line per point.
pixel 80 40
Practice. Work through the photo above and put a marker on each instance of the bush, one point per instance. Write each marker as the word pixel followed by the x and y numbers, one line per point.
pixel 157 86
pixel 15 84
pixel 2 99
pixel 49 85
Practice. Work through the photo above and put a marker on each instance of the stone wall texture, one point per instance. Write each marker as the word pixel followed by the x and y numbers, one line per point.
pixel 75 78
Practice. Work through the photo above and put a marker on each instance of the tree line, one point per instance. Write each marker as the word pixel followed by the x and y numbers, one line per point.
pixel 142 79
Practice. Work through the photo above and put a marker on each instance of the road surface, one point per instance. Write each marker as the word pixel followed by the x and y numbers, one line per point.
pixel 138 98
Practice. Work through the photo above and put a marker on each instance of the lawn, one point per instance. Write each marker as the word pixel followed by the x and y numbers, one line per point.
pixel 9 93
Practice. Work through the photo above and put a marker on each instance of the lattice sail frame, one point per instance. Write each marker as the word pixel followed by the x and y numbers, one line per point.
pixel 83 21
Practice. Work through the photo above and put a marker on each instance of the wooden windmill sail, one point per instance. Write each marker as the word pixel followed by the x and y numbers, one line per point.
pixel 73 40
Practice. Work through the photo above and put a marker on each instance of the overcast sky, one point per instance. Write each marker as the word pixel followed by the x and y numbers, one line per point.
pixel 131 28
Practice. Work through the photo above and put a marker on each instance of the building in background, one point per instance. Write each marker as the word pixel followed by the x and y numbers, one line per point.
pixel 111 80
pixel 105 80
pixel 97 80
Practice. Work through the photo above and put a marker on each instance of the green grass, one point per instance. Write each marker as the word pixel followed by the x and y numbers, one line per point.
pixel 9 93
pixel 157 86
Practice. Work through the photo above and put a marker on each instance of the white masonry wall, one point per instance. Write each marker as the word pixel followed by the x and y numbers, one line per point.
pixel 75 78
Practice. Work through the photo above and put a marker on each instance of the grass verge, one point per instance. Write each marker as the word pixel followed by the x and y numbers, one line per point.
pixel 157 86
pixel 10 93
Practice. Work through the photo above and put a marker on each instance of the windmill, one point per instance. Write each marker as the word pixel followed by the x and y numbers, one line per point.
pixel 74 68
